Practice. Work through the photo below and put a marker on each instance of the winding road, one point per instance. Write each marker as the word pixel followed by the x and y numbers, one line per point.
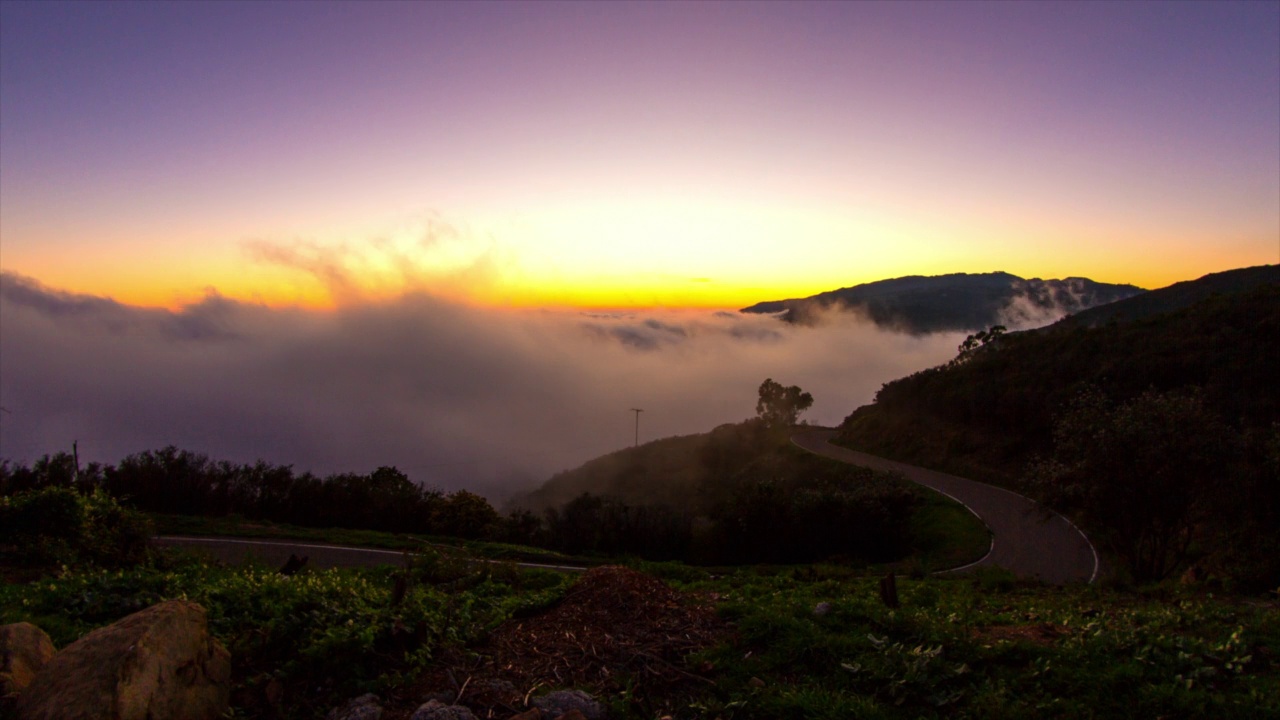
pixel 1026 538
pixel 319 555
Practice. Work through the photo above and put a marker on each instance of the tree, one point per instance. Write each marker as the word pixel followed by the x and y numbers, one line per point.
pixel 466 515
pixel 780 407
pixel 973 343
pixel 1142 475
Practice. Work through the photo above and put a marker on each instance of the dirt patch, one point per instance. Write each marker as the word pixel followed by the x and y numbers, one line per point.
pixel 1039 634
pixel 615 628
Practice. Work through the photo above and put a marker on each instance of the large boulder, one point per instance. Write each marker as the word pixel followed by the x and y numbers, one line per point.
pixel 24 649
pixel 157 664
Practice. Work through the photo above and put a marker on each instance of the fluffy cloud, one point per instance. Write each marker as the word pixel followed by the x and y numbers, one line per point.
pixel 456 396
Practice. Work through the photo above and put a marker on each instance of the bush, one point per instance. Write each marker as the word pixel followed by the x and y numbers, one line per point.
pixel 58 526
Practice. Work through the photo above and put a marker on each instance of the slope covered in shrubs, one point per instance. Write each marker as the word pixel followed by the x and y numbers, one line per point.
pixel 1003 413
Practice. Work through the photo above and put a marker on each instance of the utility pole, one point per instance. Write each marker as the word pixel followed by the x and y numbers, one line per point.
pixel 637 411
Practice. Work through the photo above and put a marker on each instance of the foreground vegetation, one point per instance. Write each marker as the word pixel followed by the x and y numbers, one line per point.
pixel 981 647
pixel 987 647
pixel 321 637
pixel 806 641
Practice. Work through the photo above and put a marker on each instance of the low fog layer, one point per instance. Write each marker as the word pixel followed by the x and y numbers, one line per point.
pixel 490 400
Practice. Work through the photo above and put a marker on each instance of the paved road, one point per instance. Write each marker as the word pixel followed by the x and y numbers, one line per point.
pixel 319 555
pixel 1025 538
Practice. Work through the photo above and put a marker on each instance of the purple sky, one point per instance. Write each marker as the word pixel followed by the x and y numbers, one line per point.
pixel 758 147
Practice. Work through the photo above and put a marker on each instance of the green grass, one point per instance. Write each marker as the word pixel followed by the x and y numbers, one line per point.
pixel 984 646
pixel 324 636
pixel 946 535
pixel 959 648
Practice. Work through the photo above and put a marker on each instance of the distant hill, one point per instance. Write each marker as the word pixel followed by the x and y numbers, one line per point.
pixel 955 302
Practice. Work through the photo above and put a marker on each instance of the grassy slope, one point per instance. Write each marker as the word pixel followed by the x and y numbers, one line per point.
pixel 676 471
pixel 658 472
pixel 943 533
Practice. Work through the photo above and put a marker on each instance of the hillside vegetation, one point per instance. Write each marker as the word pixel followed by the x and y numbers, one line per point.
pixel 1006 412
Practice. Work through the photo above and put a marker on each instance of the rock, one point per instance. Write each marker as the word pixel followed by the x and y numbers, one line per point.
pixel 442 697
pixel 273 693
pixel 365 707
pixel 822 609
pixel 157 664
pixel 573 715
pixel 562 702
pixel 436 710
pixel 500 688
pixel 534 714
pixel 24 649
pixel 293 564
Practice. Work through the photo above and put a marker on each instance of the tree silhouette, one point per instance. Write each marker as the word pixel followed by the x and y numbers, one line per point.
pixel 779 406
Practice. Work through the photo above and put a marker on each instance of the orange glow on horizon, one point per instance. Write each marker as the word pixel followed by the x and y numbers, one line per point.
pixel 604 296
pixel 172 283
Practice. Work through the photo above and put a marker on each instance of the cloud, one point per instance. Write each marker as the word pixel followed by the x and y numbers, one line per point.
pixel 424 253
pixel 325 264
pixel 213 317
pixel 456 396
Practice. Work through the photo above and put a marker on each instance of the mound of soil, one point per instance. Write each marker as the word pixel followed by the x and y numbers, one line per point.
pixel 615 627
pixel 1040 634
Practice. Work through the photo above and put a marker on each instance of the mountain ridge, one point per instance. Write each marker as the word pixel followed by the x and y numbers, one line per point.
pixel 921 304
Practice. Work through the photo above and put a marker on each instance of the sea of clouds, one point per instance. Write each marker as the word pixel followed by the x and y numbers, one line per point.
pixel 493 400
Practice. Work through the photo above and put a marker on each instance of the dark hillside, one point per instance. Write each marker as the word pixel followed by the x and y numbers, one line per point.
pixel 992 414
pixel 1176 296
pixel 959 301
pixel 1174 413
pixel 739 494
pixel 658 472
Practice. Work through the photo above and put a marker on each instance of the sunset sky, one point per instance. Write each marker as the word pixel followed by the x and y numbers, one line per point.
pixel 614 155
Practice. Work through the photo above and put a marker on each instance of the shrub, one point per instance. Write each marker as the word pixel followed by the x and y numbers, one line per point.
pixel 58 526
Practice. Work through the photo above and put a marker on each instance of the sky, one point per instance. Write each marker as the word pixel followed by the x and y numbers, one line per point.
pixel 515 155
pixel 466 239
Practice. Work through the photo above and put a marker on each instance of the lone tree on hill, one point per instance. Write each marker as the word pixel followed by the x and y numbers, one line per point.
pixel 781 406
